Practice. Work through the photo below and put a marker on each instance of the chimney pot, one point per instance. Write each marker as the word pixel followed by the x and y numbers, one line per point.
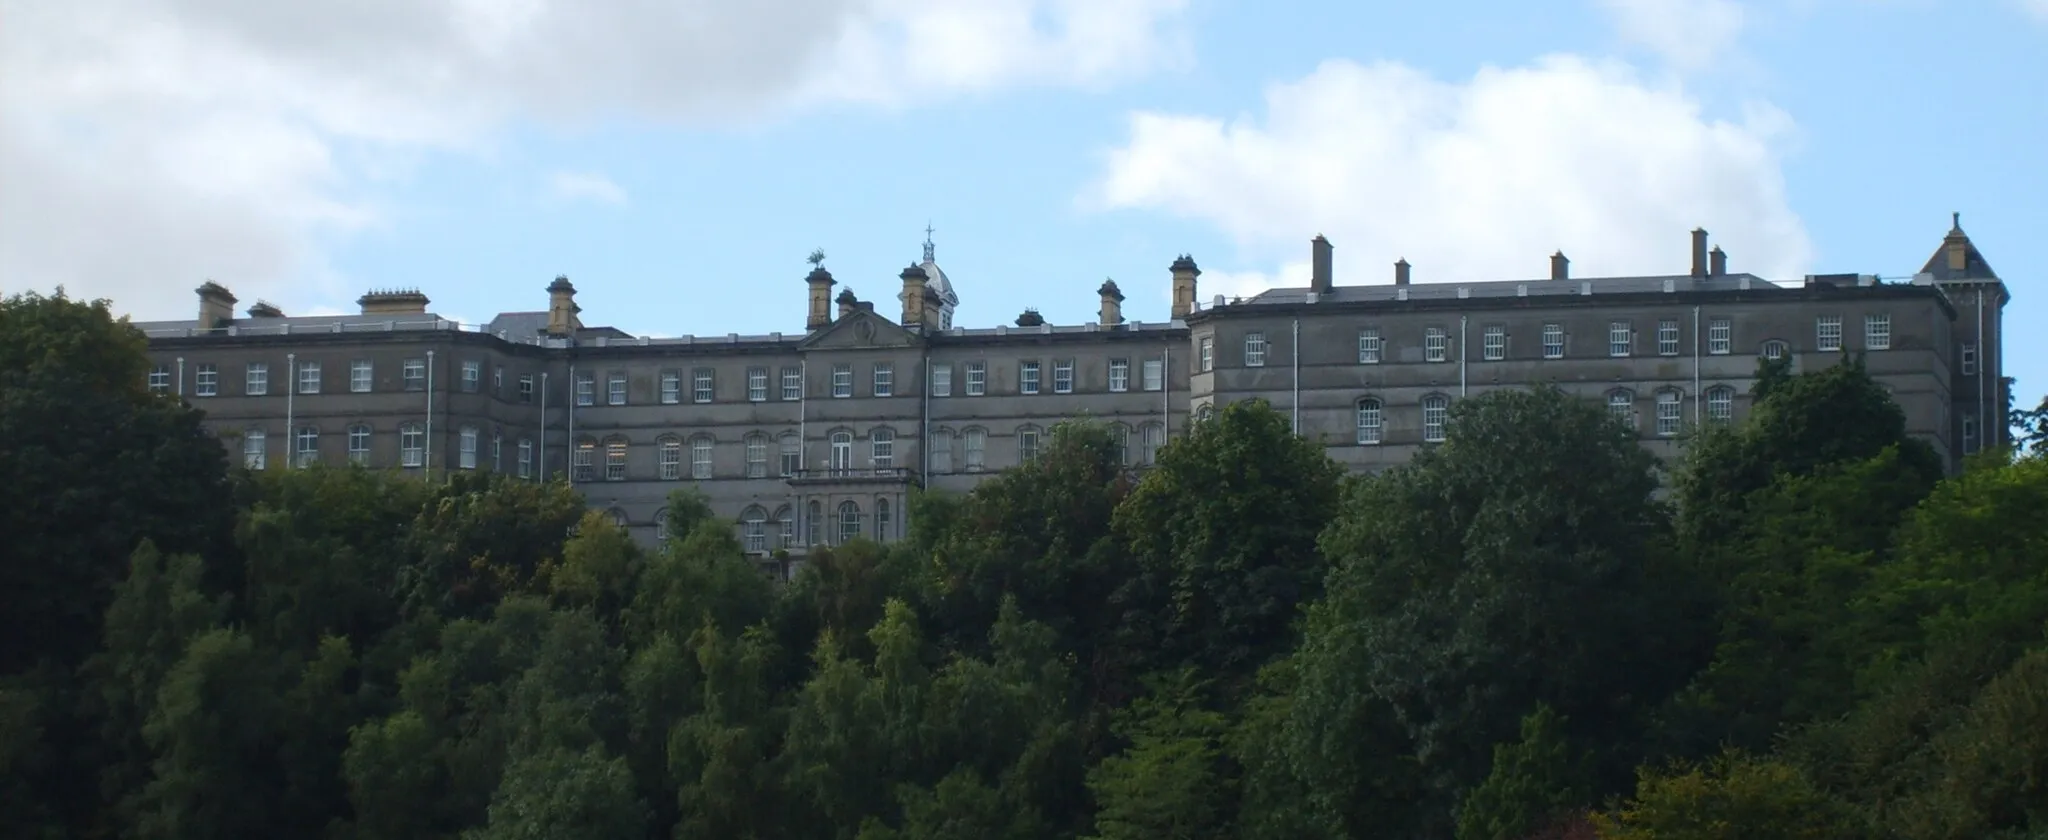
pixel 1401 272
pixel 1560 266
pixel 1699 252
pixel 1717 262
pixel 1320 280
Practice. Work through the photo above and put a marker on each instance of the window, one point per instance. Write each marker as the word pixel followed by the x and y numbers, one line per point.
pixel 669 457
pixel 1436 414
pixel 1827 333
pixel 256 381
pixel 497 451
pixel 700 385
pixel 360 375
pixel 1621 339
pixel 1255 349
pixel 498 381
pixel 1205 354
pixel 618 518
pixel 1027 377
pixel 1436 345
pixel 472 377
pixel 785 528
pixel 206 380
pixel 757 455
pixel 1368 421
pixel 1154 373
pixel 942 381
pixel 615 388
pixel 582 459
pixel 881 520
pixel 1063 376
pixel 884 380
pixel 359 444
pixel 814 524
pixel 1119 375
pixel 1969 433
pixel 255 449
pixel 309 377
pixel 1670 412
pixel 1720 336
pixel 1877 332
pixel 1621 405
pixel 671 387
pixel 849 522
pixel 1720 404
pixel 1667 337
pixel 757 384
pixel 792 384
pixel 306 447
pixel 1205 413
pixel 938 456
pixel 414 374
pixel 842 451
pixel 586 388
pixel 1151 439
pixel 615 459
pixel 700 458
pixel 792 455
pixel 1120 439
pixel 526 388
pixel 525 458
pixel 842 380
pixel 1369 348
pixel 1968 358
pixel 975 444
pixel 882 448
pixel 1553 341
pixel 754 529
pixel 159 379
pixel 1027 444
pixel 1493 344
pixel 465 453
pixel 1774 349
pixel 412 445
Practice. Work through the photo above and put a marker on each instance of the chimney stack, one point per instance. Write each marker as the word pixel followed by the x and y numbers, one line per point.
pixel 1560 266
pixel 1184 274
pixel 403 301
pixel 1401 272
pixel 562 308
pixel 265 309
pixel 1956 246
pixel 821 283
pixel 1112 304
pixel 1717 262
pixel 216 305
pixel 1699 252
pixel 1320 280
pixel 848 304
pixel 913 297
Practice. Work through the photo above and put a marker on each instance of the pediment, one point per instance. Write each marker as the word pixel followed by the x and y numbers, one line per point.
pixel 861 330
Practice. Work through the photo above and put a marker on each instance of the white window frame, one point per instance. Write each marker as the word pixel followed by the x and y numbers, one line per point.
pixel 1621 405
pixel 1553 341
pixel 586 388
pixel 792 384
pixel 1827 333
pixel 1774 349
pixel 1493 343
pixel 757 384
pixel 841 452
pixel 359 443
pixel 412 446
pixel 882 448
pixel 974 446
pixel 1621 339
pixel 669 457
pixel 472 376
pixel 306 446
pixel 1370 415
pixel 255 449
pixel 1154 374
pixel 206 379
pixel 413 374
pixel 1436 418
pixel 671 387
pixel 583 461
pixel 939 452
pixel 791 449
pixel 1151 439
pixel 848 514
pixel 1027 377
pixel 942 380
pixel 1370 347
pixel 1968 358
pixel 525 458
pixel 1877 332
pixel 1063 376
pixel 256 379
pixel 1119 375
pixel 1205 353
pixel 1436 344
pixel 703 385
pixel 700 458
pixel 362 376
pixel 1255 349
pixel 842 380
pixel 615 453
pixel 1667 337
pixel 883 380
pixel 756 449
pixel 977 378
pixel 309 377
pixel 1720 404
pixel 1720 336
pixel 615 384
pixel 1027 444
pixel 1670 412
pixel 466 441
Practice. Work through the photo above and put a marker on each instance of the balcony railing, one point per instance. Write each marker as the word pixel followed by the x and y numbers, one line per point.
pixel 893 474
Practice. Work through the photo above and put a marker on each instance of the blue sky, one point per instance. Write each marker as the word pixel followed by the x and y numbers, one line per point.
pixel 678 160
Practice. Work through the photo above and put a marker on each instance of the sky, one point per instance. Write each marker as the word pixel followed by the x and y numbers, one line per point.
pixel 679 159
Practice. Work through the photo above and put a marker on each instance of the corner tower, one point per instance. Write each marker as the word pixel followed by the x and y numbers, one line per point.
pixel 1977 360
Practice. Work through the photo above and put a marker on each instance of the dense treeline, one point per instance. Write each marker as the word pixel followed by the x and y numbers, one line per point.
pixel 1812 635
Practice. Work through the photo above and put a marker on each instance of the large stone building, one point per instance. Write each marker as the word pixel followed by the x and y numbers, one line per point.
pixel 817 436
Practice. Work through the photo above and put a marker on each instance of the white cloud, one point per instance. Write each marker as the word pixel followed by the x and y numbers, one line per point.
pixel 149 144
pixel 1689 34
pixel 2038 9
pixel 1474 180
pixel 586 186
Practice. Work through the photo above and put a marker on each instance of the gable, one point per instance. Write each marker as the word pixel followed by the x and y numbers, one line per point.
pixel 861 330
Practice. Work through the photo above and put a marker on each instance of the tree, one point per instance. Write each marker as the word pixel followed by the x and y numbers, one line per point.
pixel 1535 783
pixel 1730 797
pixel 1172 782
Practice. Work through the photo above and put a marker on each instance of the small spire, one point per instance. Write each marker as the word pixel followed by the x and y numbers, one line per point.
pixel 1955 223
pixel 928 242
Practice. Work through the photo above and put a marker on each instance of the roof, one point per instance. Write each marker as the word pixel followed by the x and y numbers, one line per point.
pixel 1974 266
pixel 938 282
pixel 1515 288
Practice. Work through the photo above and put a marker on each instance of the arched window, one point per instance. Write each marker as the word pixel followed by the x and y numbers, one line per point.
pixel 1027 444
pixel 615 459
pixel 582 461
pixel 785 527
pixel 1436 416
pixel 359 443
pixel 525 458
pixel 497 450
pixel 1621 405
pixel 700 457
pixel 842 451
pixel 1369 421
pixel 412 445
pixel 1206 413
pixel 618 517
pixel 849 522
pixel 1120 438
pixel 1670 412
pixel 671 449
pixel 1720 404
pixel 757 455
pixel 1151 439
pixel 974 445
pixel 938 455
pixel 754 529
pixel 465 451
pixel 1774 349
pixel 881 520
pixel 882 448
pixel 814 532
pixel 661 525
pixel 792 454
pixel 255 449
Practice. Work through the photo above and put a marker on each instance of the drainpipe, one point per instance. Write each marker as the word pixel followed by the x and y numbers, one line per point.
pixel 543 456
pixel 291 389
pixel 1982 419
pixel 430 415
pixel 1462 348
pixel 803 447
pixel 572 424
pixel 1297 375
pixel 181 376
pixel 1696 396
pixel 1166 395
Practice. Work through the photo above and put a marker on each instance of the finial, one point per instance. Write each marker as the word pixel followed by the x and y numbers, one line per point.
pixel 928 242
pixel 1956 221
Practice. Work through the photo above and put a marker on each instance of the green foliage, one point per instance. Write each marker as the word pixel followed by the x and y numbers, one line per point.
pixel 1535 782
pixel 1171 782
pixel 1732 797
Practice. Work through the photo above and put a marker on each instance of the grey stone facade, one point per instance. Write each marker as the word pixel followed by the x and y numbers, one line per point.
pixel 817 436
